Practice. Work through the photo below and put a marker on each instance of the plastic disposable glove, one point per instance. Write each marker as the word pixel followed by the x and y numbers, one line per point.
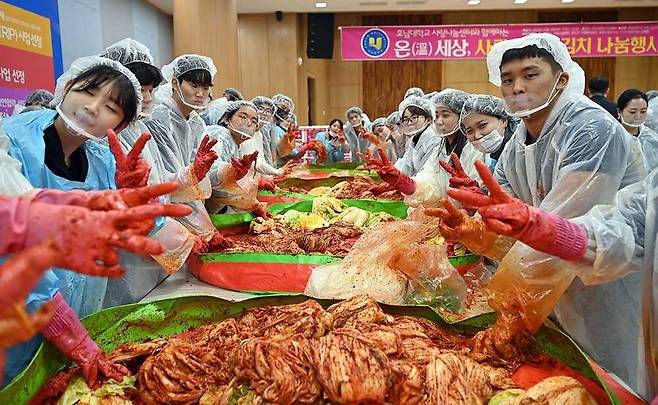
pixel 72 339
pixel 87 240
pixel 132 170
pixel 541 230
pixel 204 158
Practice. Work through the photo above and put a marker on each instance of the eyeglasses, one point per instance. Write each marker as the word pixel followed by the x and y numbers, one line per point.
pixel 410 120
pixel 265 110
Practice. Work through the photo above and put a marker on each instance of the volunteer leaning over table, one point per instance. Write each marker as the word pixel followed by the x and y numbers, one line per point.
pixel 566 156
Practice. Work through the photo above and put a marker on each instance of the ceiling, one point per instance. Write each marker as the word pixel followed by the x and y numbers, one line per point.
pixel 364 6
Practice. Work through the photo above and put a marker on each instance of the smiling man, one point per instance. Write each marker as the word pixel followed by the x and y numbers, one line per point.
pixel 566 156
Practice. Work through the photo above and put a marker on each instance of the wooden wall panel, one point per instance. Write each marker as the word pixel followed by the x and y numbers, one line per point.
pixel 385 82
pixel 253 40
pixel 345 78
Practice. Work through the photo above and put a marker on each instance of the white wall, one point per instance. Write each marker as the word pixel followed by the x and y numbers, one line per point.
pixel 88 26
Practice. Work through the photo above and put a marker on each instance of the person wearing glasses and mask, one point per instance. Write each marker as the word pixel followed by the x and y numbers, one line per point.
pixel 632 112
pixel 233 176
pixel 265 108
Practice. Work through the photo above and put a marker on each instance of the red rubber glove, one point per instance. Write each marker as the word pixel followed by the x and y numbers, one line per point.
pixel 302 149
pixel 241 166
pixel 204 158
pixel 132 170
pixel 200 245
pixel 390 174
pixel 217 242
pixel 87 239
pixel 72 339
pixel 535 227
pixel 288 141
pixel 459 179
pixel 267 184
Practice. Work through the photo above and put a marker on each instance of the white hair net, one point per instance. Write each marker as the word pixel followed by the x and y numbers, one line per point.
pixel 484 104
pixel 40 96
pixel 451 98
pixel 393 118
pixel 293 119
pixel 381 121
pixel 283 99
pixel 419 102
pixel 214 111
pixel 548 42
pixel 262 100
pixel 430 95
pixel 353 110
pixel 85 63
pixel 414 91
pixel 652 114
pixel 179 66
pixel 233 106
pixel 128 51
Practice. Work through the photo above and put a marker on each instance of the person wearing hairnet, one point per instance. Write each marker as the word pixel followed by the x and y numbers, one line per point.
pixel 606 243
pixel 358 124
pixel 233 176
pixel 397 137
pixel 414 91
pixel 487 127
pixel 143 274
pixel 417 174
pixel 283 107
pixel 37 100
pixel 566 156
pixel 61 149
pixel 178 131
pixel 632 106
pixel 232 94
pixel 265 108
pixel 384 139
pixel 652 111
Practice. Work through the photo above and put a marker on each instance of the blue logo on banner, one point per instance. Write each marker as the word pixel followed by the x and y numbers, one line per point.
pixel 374 43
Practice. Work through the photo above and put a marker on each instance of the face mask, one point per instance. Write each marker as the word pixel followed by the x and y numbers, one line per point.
pixel 244 135
pixel 281 114
pixel 528 112
pixel 73 128
pixel 417 131
pixel 489 143
pixel 633 123
pixel 446 134
pixel 193 106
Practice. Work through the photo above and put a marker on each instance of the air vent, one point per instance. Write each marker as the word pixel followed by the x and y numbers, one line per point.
pixel 411 2
pixel 373 3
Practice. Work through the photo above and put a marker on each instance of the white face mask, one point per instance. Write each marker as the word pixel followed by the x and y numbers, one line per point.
pixel 244 135
pixel 446 134
pixel 417 131
pixel 198 107
pixel 528 112
pixel 73 128
pixel 632 124
pixel 489 143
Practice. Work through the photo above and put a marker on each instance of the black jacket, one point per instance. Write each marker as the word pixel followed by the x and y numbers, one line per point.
pixel 608 105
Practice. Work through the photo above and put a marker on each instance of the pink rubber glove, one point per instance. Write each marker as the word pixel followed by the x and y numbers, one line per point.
pixel 267 184
pixel 87 240
pixel 505 215
pixel 241 166
pixel 397 180
pixel 204 158
pixel 132 170
pixel 71 338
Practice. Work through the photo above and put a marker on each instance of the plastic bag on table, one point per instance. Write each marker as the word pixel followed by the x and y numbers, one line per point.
pixel 177 242
pixel 198 222
pixel 364 270
pixel 433 279
pixel 190 189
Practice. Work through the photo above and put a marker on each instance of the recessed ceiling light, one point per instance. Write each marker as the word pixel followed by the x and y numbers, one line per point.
pixel 568 1
pixel 473 2
pixel 520 1
pixel 320 4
